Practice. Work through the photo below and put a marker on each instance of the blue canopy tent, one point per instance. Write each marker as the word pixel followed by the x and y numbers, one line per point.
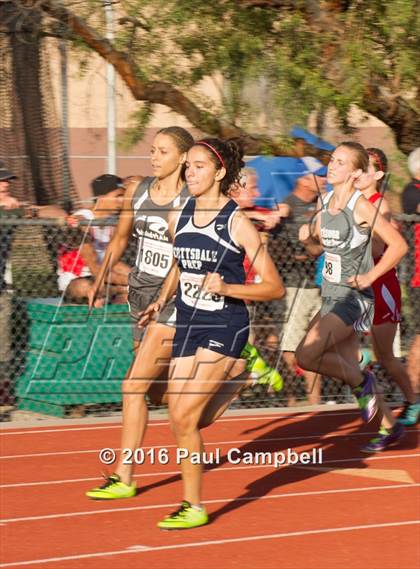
pixel 298 132
pixel 277 175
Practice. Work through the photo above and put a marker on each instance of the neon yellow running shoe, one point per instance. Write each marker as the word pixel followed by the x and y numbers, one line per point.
pixel 261 372
pixel 273 378
pixel 186 517
pixel 112 489
pixel 250 354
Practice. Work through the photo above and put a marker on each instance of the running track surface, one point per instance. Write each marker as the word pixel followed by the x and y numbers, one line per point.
pixel 354 511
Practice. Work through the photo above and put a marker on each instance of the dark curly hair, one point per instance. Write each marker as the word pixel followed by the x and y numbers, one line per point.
pixel 225 154
pixel 380 163
pixel 361 157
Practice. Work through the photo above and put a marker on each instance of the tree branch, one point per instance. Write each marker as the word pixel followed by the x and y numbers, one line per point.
pixel 394 111
pixel 159 92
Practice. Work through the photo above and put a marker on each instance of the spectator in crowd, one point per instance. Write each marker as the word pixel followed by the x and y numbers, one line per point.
pixel 245 194
pixel 7 201
pixel 11 207
pixel 77 266
pixel 302 300
pixel 263 313
pixel 411 206
pixel 411 192
pixel 8 206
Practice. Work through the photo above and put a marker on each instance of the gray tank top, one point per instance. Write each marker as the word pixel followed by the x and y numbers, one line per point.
pixel 347 248
pixel 154 251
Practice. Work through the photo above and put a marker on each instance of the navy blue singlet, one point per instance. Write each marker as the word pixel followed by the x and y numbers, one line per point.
pixel 206 319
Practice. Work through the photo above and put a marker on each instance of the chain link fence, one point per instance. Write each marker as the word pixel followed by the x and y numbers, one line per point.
pixel 58 359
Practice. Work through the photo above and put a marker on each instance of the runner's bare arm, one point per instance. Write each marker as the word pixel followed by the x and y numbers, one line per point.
pixel 378 245
pixel 271 285
pixel 119 240
pixel 366 213
pixel 171 282
pixel 309 234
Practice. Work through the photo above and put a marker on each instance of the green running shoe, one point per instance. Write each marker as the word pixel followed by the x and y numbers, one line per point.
pixel 261 372
pixel 273 378
pixel 365 358
pixel 112 489
pixel 385 438
pixel 365 394
pixel 409 414
pixel 250 354
pixel 186 517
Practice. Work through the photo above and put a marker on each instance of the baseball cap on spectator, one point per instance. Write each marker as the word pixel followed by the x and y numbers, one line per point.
pixel 105 184
pixel 6 174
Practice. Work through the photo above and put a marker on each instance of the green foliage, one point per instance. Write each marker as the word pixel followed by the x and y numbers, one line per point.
pixel 139 119
pixel 305 61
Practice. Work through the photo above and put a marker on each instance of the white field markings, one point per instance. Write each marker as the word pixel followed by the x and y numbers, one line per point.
pixel 137 549
pixel 320 436
pixel 221 469
pixel 156 423
pixel 215 501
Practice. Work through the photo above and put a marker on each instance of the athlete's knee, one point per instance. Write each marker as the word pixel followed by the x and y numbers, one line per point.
pixel 309 354
pixel 133 385
pixel 304 357
pixel 182 423
pixel 78 288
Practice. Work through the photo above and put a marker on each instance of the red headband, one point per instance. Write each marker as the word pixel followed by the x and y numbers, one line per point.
pixel 203 142
pixel 378 159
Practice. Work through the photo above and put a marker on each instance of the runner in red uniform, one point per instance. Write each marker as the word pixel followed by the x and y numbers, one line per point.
pixel 387 292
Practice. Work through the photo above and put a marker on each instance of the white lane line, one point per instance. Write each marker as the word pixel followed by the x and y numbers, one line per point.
pixel 222 468
pixel 144 548
pixel 218 501
pixel 320 436
pixel 71 428
pixel 118 426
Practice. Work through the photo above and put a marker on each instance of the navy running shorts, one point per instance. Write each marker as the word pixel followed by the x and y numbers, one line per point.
pixel 227 338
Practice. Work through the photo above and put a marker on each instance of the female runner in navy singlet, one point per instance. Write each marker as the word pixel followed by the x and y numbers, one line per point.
pixel 211 237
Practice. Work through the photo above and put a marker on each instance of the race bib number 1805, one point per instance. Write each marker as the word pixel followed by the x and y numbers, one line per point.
pixel 156 257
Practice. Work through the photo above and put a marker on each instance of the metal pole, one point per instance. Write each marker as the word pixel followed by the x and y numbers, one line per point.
pixel 110 95
pixel 65 123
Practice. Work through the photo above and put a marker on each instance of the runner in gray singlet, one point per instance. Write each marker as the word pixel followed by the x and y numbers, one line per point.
pixel 343 231
pixel 149 370
pixel 348 252
pixel 154 254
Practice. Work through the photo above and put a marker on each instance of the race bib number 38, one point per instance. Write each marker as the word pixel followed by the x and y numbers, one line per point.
pixel 193 295
pixel 332 268
pixel 156 257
